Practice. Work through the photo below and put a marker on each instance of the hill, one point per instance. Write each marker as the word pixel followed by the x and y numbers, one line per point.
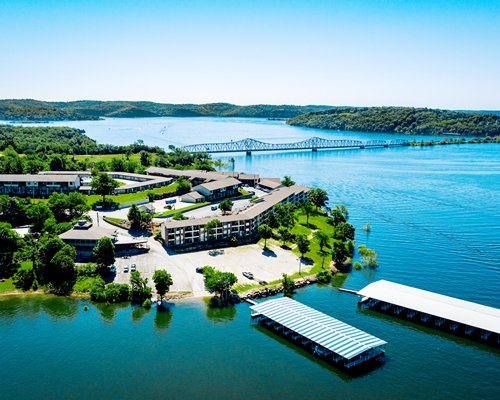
pixel 35 110
pixel 418 121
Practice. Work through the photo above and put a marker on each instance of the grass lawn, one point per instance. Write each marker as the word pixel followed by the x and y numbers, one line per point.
pixel 106 157
pixel 115 220
pixel 83 284
pixel 132 197
pixel 7 286
pixel 170 213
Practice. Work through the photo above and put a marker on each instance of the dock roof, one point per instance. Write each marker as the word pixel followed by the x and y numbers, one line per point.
pixel 450 308
pixel 328 332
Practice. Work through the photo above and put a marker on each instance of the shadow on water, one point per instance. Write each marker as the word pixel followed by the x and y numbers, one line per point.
pixel 464 341
pixel 32 306
pixel 345 375
pixel 108 311
pixel 219 313
pixel 138 313
pixel 163 319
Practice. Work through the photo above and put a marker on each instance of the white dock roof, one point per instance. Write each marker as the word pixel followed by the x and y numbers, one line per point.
pixel 332 334
pixel 450 308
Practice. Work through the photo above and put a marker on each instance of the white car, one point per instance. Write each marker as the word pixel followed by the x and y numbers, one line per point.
pixel 125 268
pixel 133 267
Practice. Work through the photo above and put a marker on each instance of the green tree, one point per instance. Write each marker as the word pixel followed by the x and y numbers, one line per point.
pixel 38 214
pixel 343 231
pixel 104 252
pixel 265 232
pixel 226 205
pixel 163 281
pixel 285 234
pixel 340 252
pixel 134 217
pixel 288 285
pixel 285 214
pixel 183 185
pixel 307 208
pixel 303 244
pixel 368 256
pixel 139 287
pixel 318 197
pixel 287 181
pixel 10 244
pixel 103 185
pixel 145 158
pixel 210 228
pixel 322 239
pixel 339 214
pixel 218 282
pixel 179 216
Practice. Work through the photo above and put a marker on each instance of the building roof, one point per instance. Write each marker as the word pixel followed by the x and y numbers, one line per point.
pixel 37 178
pixel 270 183
pixel 187 173
pixel 92 233
pixel 219 184
pixel 194 195
pixel 450 308
pixel 96 233
pixel 267 202
pixel 328 332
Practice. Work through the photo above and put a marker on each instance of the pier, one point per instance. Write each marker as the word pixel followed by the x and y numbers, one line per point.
pixel 324 336
pixel 459 317
pixel 250 145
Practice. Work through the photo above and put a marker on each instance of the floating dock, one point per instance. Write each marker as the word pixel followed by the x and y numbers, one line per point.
pixel 456 316
pixel 323 335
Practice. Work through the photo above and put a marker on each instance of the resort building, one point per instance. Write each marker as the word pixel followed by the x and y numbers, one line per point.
pixel 243 225
pixel 193 197
pixel 130 183
pixel 38 185
pixel 85 236
pixel 218 190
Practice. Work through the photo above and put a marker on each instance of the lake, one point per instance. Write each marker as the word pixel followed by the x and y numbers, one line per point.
pixel 434 213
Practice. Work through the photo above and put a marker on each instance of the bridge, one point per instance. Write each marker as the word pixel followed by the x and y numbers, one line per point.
pixel 250 145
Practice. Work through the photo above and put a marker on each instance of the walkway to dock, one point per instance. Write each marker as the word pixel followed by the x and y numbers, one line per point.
pixel 421 306
pixel 325 336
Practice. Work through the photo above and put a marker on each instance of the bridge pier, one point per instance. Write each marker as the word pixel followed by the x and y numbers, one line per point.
pixel 249 153
pixel 314 149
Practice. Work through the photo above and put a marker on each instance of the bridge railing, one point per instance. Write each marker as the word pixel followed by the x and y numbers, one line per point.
pixel 249 145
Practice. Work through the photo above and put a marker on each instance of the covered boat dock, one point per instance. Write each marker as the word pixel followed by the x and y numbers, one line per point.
pixel 323 335
pixel 457 316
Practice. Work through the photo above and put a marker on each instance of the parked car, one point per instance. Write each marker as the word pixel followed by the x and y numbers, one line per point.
pixel 125 268
pixel 200 269
pixel 214 207
pixel 112 269
pixel 248 275
pixel 133 267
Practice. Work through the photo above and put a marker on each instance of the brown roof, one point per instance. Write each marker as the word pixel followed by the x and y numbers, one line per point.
pixel 194 195
pixel 270 183
pixel 214 185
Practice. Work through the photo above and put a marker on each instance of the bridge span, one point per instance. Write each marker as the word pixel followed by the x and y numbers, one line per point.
pixel 250 145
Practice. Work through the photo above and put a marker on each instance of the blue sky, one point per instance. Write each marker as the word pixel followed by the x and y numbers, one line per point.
pixel 436 53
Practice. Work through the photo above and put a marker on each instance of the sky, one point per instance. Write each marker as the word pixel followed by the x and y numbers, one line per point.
pixel 424 53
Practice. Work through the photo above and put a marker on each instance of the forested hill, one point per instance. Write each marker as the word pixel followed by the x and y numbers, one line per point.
pixel 419 121
pixel 34 110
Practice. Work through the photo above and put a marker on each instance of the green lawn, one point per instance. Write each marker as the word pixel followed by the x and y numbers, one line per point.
pixel 170 213
pixel 133 197
pixel 7 286
pixel 106 157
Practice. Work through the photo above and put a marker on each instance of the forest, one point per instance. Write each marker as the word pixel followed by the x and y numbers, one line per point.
pixel 405 120
pixel 35 110
pixel 34 149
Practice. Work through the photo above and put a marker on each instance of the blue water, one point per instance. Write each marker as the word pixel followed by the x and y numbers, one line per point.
pixel 435 220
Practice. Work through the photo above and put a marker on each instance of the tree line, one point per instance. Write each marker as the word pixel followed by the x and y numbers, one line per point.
pixel 406 120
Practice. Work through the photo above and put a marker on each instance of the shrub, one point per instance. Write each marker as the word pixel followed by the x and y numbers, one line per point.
pixel 147 304
pixel 324 276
